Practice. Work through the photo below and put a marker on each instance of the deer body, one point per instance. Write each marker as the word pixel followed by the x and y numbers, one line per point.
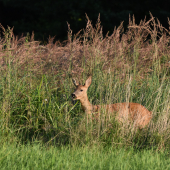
pixel 124 111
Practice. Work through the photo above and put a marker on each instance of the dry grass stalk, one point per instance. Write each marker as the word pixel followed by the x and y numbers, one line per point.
pixel 148 41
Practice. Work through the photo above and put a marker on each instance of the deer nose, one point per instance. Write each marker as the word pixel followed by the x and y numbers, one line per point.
pixel 73 95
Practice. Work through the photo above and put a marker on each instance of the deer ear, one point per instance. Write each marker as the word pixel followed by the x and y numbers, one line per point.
pixel 75 83
pixel 88 82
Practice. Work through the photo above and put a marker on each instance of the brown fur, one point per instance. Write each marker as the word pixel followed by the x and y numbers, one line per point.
pixel 124 111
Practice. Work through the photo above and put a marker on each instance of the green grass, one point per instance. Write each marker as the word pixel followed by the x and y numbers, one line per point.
pixel 33 108
pixel 39 157
pixel 36 105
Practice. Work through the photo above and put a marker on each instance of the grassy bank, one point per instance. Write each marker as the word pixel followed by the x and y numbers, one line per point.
pixel 36 84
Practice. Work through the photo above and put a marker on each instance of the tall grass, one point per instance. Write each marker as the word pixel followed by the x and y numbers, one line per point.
pixel 35 85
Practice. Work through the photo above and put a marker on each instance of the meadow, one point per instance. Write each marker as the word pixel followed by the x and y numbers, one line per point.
pixel 38 157
pixel 39 120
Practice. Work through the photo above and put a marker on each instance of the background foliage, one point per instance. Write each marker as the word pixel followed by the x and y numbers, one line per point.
pixel 50 17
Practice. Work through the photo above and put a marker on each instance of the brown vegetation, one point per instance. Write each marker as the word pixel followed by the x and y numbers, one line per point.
pixel 149 40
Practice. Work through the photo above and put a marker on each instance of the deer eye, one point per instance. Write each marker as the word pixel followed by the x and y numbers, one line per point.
pixel 81 90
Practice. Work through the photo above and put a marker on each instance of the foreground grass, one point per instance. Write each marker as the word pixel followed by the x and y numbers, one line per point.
pixel 38 157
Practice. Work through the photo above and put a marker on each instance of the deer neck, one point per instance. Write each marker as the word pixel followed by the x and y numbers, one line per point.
pixel 86 105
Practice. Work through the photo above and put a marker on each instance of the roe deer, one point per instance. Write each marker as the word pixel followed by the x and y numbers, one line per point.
pixel 124 111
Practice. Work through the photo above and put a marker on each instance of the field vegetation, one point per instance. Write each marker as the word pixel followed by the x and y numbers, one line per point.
pixel 39 157
pixel 36 86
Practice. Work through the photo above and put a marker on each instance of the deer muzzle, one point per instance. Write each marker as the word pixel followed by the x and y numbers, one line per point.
pixel 73 96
